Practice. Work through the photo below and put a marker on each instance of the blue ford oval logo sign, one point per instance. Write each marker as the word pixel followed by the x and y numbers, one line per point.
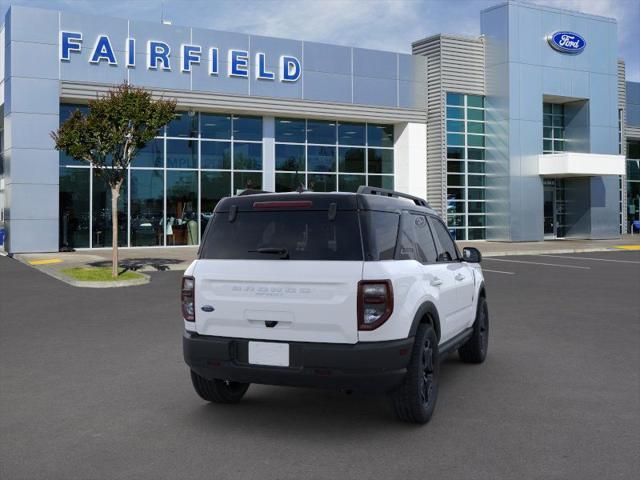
pixel 567 42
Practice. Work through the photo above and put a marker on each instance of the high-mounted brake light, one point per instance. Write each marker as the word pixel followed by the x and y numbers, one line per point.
pixel 188 299
pixel 284 204
pixel 375 303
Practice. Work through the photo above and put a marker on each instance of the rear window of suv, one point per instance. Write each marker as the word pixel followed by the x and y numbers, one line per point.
pixel 284 234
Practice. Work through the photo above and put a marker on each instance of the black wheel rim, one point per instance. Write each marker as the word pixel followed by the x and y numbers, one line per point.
pixel 428 373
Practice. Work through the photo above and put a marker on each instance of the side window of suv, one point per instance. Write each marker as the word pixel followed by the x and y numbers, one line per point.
pixel 447 251
pixel 415 241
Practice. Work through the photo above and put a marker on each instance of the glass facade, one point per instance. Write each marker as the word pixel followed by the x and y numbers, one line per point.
pixel 465 130
pixel 633 183
pixel 552 128
pixel 172 185
pixel 326 156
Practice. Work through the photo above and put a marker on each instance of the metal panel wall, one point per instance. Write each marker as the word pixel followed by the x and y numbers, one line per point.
pixel 454 64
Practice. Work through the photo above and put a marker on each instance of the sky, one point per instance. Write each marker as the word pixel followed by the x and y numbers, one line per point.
pixel 378 24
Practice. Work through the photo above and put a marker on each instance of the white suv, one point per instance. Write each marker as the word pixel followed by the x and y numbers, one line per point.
pixel 355 291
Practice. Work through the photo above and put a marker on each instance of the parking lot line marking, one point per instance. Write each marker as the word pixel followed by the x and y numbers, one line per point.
pixel 46 261
pixel 628 247
pixel 497 271
pixel 591 258
pixel 536 263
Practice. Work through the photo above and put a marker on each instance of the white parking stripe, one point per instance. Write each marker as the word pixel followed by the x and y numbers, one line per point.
pixel 591 258
pixel 497 271
pixel 535 263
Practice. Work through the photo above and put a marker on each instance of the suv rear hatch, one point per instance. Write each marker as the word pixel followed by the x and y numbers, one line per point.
pixel 281 267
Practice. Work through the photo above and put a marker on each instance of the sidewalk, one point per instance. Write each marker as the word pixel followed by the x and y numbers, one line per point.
pixel 179 258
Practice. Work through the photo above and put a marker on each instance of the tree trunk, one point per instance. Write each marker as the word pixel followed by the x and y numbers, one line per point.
pixel 115 193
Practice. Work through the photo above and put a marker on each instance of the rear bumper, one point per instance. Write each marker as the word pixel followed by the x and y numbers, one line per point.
pixel 368 367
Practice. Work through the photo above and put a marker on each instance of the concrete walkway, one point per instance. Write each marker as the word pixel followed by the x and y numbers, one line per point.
pixel 179 258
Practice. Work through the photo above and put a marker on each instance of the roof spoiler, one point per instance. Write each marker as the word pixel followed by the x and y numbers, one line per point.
pixel 383 192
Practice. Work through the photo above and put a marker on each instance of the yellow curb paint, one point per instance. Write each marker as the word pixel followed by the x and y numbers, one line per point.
pixel 47 261
pixel 628 247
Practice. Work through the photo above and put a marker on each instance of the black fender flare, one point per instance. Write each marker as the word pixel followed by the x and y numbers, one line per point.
pixel 482 291
pixel 426 309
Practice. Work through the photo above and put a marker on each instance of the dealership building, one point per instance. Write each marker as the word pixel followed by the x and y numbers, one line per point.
pixel 525 133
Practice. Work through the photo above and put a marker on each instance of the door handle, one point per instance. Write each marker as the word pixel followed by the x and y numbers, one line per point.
pixel 436 282
pixel 459 277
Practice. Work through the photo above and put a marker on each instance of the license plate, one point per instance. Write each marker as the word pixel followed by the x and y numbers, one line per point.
pixel 269 353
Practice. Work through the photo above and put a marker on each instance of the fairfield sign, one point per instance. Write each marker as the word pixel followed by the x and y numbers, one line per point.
pixel 159 56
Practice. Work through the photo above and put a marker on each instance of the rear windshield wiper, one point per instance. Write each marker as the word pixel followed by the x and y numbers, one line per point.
pixel 283 252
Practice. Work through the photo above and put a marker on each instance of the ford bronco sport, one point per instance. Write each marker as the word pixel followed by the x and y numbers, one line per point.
pixel 356 291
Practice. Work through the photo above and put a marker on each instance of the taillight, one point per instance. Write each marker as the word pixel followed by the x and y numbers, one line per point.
pixel 375 303
pixel 188 299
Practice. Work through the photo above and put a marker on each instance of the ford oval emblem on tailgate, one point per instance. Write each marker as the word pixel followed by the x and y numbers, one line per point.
pixel 207 308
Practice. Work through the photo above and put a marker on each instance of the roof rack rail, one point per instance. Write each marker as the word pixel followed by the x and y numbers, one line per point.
pixel 383 192
pixel 252 191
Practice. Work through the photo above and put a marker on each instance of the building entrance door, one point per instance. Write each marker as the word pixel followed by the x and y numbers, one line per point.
pixel 555 208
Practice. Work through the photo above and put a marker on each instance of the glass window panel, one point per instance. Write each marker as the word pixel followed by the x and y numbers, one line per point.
pixel 455 113
pixel 455 126
pixel 475 140
pixel 247 128
pixel 380 161
pixel 546 108
pixel 321 183
pixel 633 149
pixel 246 181
pixel 547 145
pixel 455 193
pixel 455 221
pixel 455 180
pixel 547 120
pixel 380 135
pixel 66 109
pixel 321 159
pixel 473 114
pixel 351 160
pixel 476 207
pixel 455 152
pixel 351 133
pixel 214 186
pixel 558 133
pixel 633 170
pixel 184 124
pixel 476 180
pixel 475 153
pixel 558 145
pixel 455 98
pixel 477 220
pixel 458 233
pixel 247 156
pixel 547 132
pixel 215 126
pixel 558 121
pixel 290 130
pixel 289 182
pixel 182 208
pixel 477 234
pixel 476 193
pixel 65 159
pixel 455 207
pixel 350 183
pixel 476 167
pixel 455 167
pixel 475 101
pixel 455 139
pixel 74 207
pixel 381 181
pixel 320 131
pixel 101 215
pixel 475 127
pixel 290 157
pixel 182 154
pixel 147 198
pixel 215 155
pixel 152 155
pixel 557 108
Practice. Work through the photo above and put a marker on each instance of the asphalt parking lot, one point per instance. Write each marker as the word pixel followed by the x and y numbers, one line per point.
pixel 93 386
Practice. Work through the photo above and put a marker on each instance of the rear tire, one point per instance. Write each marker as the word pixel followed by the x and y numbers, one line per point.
pixel 475 349
pixel 218 391
pixel 415 400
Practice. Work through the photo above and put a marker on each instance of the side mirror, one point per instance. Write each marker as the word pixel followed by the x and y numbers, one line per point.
pixel 471 255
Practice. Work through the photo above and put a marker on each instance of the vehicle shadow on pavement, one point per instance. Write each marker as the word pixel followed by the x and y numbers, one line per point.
pixel 314 412
pixel 160 264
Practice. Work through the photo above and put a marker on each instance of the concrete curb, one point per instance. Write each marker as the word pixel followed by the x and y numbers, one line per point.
pixel 550 251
